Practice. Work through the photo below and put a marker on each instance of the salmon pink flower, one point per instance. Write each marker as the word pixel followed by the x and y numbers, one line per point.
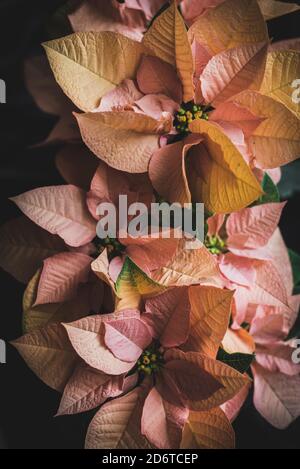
pixel 157 347
pixel 179 104
pixel 156 254
pixel 275 375
pixel 241 240
pixel 274 281
pixel 252 256
pixel 182 102
pixel 65 234
pixel 184 83
pixel 192 9
pixel 69 215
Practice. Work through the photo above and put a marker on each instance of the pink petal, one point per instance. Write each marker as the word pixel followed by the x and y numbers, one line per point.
pixel 269 288
pixel 168 317
pixel 104 134
pixel 278 252
pixel 120 97
pixel 276 396
pixel 87 389
pixel 87 338
pixel 232 408
pixel 268 329
pixel 99 15
pixel 262 254
pixel 154 105
pixel 115 267
pixel 241 299
pixel 127 338
pixel 61 276
pixel 201 56
pixel 277 359
pixel 253 227
pixel 168 173
pixel 108 183
pixel 259 311
pixel 157 77
pixel 232 71
pixel 239 270
pixel 191 9
pixel 236 135
pixel 275 174
pixel 60 210
pixel 150 253
pixel 149 7
pixel 237 115
pixel 117 423
pixel 288 314
pixel 162 423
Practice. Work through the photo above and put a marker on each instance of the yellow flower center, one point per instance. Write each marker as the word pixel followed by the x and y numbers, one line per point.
pixel 113 246
pixel 150 361
pixel 187 113
pixel 215 244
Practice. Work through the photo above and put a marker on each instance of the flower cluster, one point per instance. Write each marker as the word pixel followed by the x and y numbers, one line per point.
pixel 186 102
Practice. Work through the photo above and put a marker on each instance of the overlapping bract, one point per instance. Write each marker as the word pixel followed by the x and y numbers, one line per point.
pixel 158 337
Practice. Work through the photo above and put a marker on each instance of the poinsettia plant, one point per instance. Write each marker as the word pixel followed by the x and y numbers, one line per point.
pixel 181 102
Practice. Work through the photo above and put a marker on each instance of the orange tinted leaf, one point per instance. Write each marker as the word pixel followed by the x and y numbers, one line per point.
pixel 210 314
pixel 232 24
pixel 117 424
pixel 208 430
pixel 88 65
pixel 276 141
pixel 282 69
pixel 167 39
pixel 220 177
pixel 105 134
pixel 49 354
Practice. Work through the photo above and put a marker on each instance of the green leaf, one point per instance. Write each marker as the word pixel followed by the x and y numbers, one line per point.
pixel 289 185
pixel 295 331
pixel 271 193
pixel 239 361
pixel 133 284
pixel 295 261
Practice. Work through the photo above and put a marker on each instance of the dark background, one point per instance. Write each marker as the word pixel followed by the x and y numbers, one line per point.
pixel 27 405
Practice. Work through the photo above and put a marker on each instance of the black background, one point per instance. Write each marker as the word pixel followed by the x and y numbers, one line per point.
pixel 27 405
